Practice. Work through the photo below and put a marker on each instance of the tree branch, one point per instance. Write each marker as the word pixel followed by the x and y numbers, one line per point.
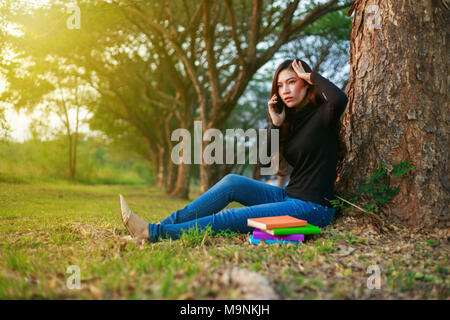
pixel 254 31
pixel 208 36
pixel 233 33
pixel 188 64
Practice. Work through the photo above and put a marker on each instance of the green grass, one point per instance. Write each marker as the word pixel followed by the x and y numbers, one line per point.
pixel 47 227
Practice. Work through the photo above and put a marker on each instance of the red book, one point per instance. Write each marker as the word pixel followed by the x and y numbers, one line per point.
pixel 275 222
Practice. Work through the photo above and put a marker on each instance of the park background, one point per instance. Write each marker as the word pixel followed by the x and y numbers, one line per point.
pixel 90 92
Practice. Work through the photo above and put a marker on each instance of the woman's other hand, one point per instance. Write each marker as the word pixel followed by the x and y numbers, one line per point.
pixel 277 118
pixel 301 73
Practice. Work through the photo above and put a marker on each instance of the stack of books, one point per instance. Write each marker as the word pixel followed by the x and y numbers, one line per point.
pixel 280 229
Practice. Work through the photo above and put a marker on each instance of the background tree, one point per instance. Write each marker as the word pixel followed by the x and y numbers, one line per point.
pixel 398 105
pixel 211 26
pixel 157 78
pixel 54 88
pixel 69 101
pixel 123 70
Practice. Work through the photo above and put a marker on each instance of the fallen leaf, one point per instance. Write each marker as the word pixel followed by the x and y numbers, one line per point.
pixel 52 284
pixel 345 250
pixel 96 292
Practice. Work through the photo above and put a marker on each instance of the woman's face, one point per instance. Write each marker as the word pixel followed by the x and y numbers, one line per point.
pixel 291 88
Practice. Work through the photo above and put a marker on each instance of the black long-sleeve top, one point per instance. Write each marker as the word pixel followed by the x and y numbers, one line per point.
pixel 312 147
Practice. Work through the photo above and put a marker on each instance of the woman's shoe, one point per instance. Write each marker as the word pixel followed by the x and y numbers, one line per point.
pixel 137 227
pixel 125 213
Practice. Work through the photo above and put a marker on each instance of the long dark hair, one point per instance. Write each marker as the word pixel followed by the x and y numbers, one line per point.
pixel 313 95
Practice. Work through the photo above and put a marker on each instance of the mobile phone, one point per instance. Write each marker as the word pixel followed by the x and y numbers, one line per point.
pixel 279 105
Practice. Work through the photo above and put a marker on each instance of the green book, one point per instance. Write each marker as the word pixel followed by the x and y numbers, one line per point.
pixel 308 229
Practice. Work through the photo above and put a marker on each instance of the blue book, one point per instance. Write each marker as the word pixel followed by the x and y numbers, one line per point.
pixel 269 241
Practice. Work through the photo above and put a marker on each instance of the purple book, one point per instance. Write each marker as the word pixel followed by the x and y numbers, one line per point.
pixel 258 234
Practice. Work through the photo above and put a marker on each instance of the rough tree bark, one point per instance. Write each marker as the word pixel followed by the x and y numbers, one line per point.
pixel 183 173
pixel 398 105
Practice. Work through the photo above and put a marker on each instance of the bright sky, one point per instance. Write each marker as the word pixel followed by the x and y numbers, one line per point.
pixel 19 122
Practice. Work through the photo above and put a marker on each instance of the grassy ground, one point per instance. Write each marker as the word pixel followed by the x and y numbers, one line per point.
pixel 45 228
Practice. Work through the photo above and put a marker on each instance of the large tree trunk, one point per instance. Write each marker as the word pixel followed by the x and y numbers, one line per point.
pixel 71 172
pixel 256 172
pixel 398 105
pixel 160 170
pixel 209 175
pixel 181 189
pixel 183 170
pixel 170 178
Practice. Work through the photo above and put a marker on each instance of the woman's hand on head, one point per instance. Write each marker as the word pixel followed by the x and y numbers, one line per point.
pixel 301 73
pixel 277 118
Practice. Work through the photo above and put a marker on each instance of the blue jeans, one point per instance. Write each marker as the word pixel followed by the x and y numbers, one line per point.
pixel 260 200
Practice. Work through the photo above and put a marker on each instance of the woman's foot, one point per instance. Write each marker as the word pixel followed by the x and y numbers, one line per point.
pixel 137 227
